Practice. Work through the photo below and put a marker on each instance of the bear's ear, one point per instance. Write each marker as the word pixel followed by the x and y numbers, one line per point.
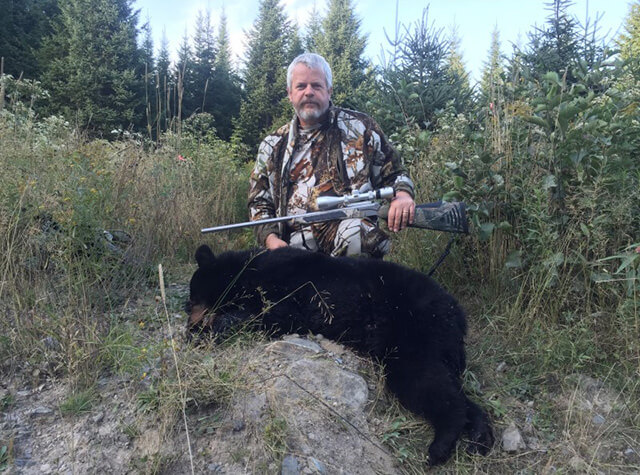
pixel 205 256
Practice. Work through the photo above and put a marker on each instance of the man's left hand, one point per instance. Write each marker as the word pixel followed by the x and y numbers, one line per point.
pixel 401 211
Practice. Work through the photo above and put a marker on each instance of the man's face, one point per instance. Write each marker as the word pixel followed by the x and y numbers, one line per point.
pixel 309 94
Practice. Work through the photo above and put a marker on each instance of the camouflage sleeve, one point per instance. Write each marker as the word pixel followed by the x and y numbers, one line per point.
pixel 387 167
pixel 261 201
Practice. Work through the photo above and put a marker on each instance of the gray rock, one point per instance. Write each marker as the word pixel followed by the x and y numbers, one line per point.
pixel 290 466
pixel 323 379
pixel 598 420
pixel 317 466
pixel 512 440
pixel 97 418
pixel 41 411
pixel 631 456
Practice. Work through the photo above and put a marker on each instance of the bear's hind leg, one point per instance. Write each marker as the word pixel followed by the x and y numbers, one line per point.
pixel 478 429
pixel 428 389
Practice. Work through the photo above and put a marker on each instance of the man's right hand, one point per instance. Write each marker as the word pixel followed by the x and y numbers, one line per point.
pixel 274 242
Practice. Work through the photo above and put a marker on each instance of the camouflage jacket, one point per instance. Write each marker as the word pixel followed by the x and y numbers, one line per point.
pixel 356 153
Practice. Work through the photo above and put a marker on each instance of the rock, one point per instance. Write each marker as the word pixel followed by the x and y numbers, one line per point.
pixel 97 418
pixel 631 456
pixel 598 420
pixel 317 466
pixel 512 440
pixel 238 425
pixel 290 466
pixel 298 346
pixel 215 468
pixel 41 411
pixel 324 380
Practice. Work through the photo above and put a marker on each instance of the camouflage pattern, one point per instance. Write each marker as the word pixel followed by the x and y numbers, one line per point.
pixel 348 151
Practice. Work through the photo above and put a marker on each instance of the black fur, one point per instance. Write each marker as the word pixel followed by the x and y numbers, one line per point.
pixel 382 309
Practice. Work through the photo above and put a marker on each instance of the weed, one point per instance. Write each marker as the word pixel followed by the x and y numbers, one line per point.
pixel 78 402
pixel 275 437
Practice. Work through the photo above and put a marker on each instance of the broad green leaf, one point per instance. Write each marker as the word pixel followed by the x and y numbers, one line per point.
pixel 534 119
pixel 514 260
pixel 485 231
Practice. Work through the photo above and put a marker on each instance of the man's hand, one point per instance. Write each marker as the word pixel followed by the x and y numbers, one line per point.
pixel 274 242
pixel 401 211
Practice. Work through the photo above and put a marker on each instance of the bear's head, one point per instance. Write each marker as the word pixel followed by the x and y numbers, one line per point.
pixel 205 290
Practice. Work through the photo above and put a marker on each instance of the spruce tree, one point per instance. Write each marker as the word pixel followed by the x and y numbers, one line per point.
pixel 457 72
pixel 204 55
pixel 562 45
pixel 314 30
pixel 225 88
pixel 23 27
pixel 629 41
pixel 343 46
pixel 265 76
pixel 418 80
pixel 493 69
pixel 94 70
pixel 149 78
pixel 164 86
pixel 183 81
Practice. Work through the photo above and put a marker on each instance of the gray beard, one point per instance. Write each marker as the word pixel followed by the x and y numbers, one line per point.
pixel 311 115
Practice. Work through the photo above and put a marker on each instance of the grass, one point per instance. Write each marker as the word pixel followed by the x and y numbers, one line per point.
pixel 74 307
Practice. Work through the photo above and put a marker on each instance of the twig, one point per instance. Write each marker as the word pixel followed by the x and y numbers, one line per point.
pixel 175 361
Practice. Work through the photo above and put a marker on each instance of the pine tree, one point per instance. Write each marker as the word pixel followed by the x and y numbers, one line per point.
pixel 149 77
pixel 265 75
pixel 94 71
pixel 226 90
pixel 493 69
pixel 343 46
pixel 560 46
pixel 417 81
pixel 164 86
pixel 314 31
pixel 23 27
pixel 183 80
pixel 629 41
pixel 457 72
pixel 204 55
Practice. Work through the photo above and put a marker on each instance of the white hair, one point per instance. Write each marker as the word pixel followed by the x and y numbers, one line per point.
pixel 312 61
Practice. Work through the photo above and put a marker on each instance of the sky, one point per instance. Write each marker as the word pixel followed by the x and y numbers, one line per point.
pixel 474 20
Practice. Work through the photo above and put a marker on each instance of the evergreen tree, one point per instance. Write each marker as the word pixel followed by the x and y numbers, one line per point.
pixel 23 26
pixel 204 55
pixel 493 69
pixel 314 30
pixel 418 79
pixel 265 75
pixel 457 72
pixel 226 90
pixel 183 81
pixel 149 77
pixel 560 46
pixel 164 86
pixel 629 41
pixel 94 70
pixel 342 46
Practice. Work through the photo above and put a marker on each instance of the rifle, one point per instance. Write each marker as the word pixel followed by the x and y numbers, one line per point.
pixel 438 216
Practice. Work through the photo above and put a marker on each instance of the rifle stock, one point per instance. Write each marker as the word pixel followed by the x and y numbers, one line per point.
pixel 438 216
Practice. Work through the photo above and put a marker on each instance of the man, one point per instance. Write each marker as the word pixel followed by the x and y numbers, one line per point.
pixel 325 151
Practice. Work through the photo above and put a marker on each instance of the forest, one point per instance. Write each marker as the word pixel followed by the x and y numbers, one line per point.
pixel 113 158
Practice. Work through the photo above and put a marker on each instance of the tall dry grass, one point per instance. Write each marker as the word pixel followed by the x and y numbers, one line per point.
pixel 83 225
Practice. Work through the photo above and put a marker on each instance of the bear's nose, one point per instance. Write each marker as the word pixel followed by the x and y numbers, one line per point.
pixel 196 313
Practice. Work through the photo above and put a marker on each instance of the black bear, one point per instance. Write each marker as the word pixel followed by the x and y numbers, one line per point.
pixel 382 309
